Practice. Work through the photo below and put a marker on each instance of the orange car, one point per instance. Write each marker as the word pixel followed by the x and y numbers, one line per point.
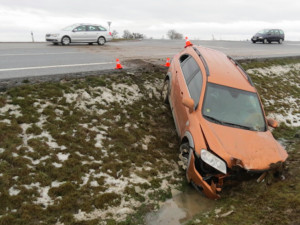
pixel 220 120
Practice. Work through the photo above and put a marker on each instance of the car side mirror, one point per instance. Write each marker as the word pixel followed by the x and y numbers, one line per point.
pixel 189 103
pixel 272 123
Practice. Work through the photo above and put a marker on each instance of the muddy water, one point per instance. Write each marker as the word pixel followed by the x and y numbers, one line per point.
pixel 181 208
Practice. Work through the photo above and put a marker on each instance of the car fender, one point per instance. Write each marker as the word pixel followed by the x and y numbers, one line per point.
pixel 169 77
pixel 189 137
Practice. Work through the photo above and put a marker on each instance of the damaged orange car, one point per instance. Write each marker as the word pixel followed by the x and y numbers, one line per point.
pixel 220 120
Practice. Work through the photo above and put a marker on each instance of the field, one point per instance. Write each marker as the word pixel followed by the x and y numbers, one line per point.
pixel 103 150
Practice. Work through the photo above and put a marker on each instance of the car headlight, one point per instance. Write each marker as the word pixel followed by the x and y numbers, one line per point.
pixel 260 37
pixel 213 161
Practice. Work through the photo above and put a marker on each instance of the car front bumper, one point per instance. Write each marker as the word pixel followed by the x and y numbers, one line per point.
pixel 52 39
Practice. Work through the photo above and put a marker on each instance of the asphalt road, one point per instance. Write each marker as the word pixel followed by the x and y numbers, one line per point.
pixel 18 60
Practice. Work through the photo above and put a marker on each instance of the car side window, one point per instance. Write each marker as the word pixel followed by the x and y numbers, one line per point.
pixel 189 68
pixel 93 28
pixel 277 32
pixel 193 77
pixel 102 28
pixel 80 28
pixel 195 87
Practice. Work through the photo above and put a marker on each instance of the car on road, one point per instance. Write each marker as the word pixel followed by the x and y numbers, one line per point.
pixel 268 35
pixel 220 120
pixel 80 33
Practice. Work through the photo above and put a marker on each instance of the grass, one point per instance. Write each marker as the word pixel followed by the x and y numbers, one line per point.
pixel 75 145
pixel 95 143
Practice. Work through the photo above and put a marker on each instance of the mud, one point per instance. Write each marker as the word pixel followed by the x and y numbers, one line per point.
pixel 181 208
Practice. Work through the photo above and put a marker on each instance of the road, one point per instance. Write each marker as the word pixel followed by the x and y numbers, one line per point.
pixel 19 60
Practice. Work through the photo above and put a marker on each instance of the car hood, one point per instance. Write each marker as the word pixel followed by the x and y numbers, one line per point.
pixel 255 150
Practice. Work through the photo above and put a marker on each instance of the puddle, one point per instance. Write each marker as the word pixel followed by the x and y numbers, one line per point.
pixel 181 208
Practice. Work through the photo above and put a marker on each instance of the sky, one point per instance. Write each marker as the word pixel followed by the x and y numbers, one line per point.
pixel 197 19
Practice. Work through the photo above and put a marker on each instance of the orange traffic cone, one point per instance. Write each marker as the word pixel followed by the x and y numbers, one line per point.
pixel 118 66
pixel 187 42
pixel 167 63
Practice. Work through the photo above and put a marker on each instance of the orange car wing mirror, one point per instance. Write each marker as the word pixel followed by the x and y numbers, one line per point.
pixel 189 103
pixel 272 123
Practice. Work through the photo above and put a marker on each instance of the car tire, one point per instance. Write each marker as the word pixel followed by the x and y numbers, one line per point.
pixel 165 91
pixel 269 42
pixel 265 41
pixel 280 41
pixel 253 42
pixel 65 40
pixel 101 41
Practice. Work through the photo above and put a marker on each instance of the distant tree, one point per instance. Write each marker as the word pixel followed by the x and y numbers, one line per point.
pixel 173 34
pixel 114 34
pixel 127 34
pixel 138 36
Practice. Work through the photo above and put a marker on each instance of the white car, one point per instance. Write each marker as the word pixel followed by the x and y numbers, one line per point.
pixel 84 33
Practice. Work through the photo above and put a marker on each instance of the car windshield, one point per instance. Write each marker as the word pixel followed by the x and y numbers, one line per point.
pixel 233 107
pixel 263 31
pixel 69 28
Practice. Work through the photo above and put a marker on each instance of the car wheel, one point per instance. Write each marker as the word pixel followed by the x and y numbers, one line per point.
pixel 280 41
pixel 265 41
pixel 65 40
pixel 165 91
pixel 101 41
pixel 253 42
pixel 184 155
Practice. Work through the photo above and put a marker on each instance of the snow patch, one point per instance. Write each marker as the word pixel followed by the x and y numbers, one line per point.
pixel 13 191
pixel 63 157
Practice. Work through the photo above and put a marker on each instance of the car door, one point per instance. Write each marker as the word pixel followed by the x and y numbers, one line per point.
pixel 185 76
pixel 79 34
pixel 272 36
pixel 277 35
pixel 92 33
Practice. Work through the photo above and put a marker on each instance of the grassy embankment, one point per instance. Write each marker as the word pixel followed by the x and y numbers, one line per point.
pixel 104 149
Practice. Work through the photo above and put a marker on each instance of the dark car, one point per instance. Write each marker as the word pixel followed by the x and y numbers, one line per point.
pixel 268 35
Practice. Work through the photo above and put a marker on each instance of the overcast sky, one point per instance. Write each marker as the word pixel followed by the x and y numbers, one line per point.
pixel 197 19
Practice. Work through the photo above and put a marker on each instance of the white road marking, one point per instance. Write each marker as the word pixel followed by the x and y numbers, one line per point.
pixel 55 66
pixel 22 54
pixel 292 44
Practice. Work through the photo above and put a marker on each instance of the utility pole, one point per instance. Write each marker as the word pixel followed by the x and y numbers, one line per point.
pixel 32 36
pixel 109 23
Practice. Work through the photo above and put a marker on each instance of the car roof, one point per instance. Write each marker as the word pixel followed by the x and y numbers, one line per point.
pixel 224 71
pixel 86 24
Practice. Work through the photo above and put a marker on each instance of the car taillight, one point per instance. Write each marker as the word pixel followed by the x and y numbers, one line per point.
pixel 110 33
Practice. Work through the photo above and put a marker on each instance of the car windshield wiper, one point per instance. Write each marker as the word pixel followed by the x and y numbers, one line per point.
pixel 238 125
pixel 214 119
pixel 227 123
